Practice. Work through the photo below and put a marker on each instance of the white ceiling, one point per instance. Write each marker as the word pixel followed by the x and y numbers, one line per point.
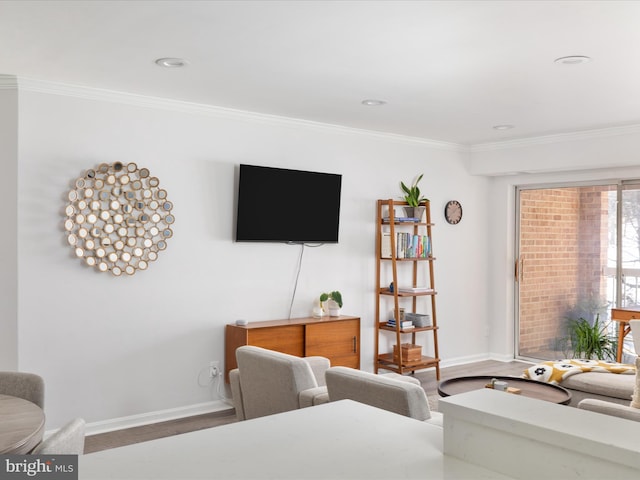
pixel 448 70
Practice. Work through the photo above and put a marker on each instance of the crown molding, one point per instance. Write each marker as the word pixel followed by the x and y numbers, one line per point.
pixel 98 94
pixel 556 138
pixel 132 99
pixel 8 82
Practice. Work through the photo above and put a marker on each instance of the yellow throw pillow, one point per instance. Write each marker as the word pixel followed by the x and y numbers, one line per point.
pixel 635 399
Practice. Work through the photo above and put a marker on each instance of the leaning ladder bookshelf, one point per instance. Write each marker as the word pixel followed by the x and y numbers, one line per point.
pixel 404 257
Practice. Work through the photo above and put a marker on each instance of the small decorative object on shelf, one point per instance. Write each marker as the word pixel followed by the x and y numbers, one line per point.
pixel 419 319
pixel 118 218
pixel 410 352
pixel 405 276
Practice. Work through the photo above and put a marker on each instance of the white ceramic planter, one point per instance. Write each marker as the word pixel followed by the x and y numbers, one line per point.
pixel 333 308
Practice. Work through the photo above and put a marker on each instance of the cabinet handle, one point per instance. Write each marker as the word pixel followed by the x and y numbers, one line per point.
pixel 355 344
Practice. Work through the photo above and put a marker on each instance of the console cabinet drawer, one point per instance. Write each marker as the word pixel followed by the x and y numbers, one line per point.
pixel 338 341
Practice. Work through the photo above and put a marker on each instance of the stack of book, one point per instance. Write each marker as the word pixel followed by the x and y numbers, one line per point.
pixel 404 325
pixel 415 289
pixel 401 220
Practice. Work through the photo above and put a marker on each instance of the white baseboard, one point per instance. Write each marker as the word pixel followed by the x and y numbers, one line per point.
pixel 224 405
pixel 157 416
pixel 498 357
pixel 452 362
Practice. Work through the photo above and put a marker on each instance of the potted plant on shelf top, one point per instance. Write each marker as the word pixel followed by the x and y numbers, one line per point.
pixel 414 198
pixel 333 302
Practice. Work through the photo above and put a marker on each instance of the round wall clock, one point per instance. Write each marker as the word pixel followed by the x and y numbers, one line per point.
pixel 453 212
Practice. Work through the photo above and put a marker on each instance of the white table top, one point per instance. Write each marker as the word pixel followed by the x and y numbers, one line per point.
pixel 341 439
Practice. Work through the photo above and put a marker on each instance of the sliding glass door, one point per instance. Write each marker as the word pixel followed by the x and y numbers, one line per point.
pixel 578 255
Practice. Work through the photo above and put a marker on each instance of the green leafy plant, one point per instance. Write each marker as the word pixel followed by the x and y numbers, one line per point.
pixel 589 340
pixel 335 296
pixel 412 193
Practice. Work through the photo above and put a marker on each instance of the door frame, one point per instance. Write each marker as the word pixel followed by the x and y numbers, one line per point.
pixel 518 270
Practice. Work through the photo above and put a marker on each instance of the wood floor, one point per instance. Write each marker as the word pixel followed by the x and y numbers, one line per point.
pixel 103 441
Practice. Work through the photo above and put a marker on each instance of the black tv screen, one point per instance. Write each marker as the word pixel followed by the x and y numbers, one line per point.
pixel 283 205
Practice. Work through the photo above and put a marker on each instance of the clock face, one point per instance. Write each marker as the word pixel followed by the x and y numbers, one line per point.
pixel 453 212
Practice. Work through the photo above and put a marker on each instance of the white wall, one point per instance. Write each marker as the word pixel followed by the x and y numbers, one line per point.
pixel 130 346
pixel 8 232
pixel 116 347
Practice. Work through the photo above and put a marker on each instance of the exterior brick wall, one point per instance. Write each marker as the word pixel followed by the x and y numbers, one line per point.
pixel 563 245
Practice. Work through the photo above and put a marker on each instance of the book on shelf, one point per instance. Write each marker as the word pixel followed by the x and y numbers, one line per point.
pixel 412 246
pixel 415 289
pixel 403 325
pixel 401 220
pixel 385 245
pixel 407 245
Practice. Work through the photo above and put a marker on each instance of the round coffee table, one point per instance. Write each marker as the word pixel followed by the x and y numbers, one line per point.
pixel 529 388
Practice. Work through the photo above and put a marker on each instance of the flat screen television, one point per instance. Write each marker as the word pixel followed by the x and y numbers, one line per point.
pixel 291 206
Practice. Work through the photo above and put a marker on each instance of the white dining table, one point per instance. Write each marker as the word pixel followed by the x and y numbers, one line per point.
pixel 21 425
pixel 338 440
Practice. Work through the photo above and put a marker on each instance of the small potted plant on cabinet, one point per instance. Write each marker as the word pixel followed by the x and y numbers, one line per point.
pixel 332 301
pixel 414 198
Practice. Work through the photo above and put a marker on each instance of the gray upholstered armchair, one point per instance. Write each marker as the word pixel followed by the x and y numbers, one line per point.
pixel 28 386
pixel 268 382
pixel 69 440
pixel 395 393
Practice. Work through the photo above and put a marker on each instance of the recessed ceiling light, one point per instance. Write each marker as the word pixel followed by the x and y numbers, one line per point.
pixel 573 60
pixel 172 62
pixel 503 127
pixel 373 102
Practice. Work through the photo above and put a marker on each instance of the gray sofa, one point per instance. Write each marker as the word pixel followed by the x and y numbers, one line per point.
pixel 602 386
pixel 630 411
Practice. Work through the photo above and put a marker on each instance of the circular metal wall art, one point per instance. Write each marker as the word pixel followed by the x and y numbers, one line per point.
pixel 118 218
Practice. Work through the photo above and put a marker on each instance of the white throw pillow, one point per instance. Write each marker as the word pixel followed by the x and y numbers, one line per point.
pixel 635 398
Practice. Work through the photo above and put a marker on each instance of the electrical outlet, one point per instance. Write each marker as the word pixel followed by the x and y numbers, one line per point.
pixel 214 368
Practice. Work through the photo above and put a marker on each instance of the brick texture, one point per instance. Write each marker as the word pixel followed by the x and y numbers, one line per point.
pixel 563 245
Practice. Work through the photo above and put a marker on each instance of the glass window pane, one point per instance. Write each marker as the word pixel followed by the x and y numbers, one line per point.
pixel 565 265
